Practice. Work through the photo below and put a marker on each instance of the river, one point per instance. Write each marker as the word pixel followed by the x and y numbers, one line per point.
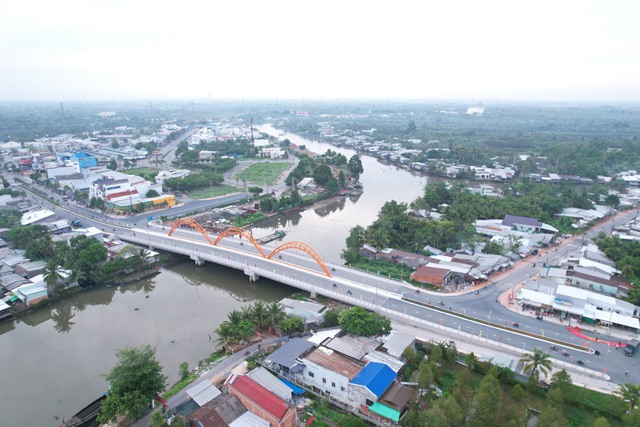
pixel 327 228
pixel 53 359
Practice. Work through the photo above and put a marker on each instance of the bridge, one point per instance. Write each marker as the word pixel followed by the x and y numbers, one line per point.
pixel 298 265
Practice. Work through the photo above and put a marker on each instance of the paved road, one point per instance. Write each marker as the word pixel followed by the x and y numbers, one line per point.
pixel 384 295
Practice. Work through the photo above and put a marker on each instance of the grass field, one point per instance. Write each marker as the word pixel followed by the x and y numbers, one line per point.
pixel 145 172
pixel 263 173
pixel 217 190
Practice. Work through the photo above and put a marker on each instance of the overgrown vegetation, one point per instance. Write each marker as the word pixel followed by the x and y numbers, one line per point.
pixel 626 255
pixel 477 393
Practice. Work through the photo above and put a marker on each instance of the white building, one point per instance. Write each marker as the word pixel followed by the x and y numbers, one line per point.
pixel 330 372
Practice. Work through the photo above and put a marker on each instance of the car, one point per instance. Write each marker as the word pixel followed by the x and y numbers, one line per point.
pixel 76 223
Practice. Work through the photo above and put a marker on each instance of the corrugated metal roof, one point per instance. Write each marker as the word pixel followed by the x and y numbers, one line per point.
pixel 352 346
pixel 288 353
pixel 387 359
pixel 334 361
pixel 259 395
pixel 398 343
pixel 377 377
pixel 320 336
pixel 249 419
pixel 270 382
pixel 203 392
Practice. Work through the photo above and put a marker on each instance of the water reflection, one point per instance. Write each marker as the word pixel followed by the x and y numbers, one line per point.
pixel 62 319
pixel 329 208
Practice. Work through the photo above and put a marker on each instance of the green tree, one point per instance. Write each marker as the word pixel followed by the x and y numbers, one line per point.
pixel 330 318
pixel 275 313
pixel 255 190
pixel 561 379
pixel 259 313
pixel 152 193
pixel 291 324
pixel 332 185
pixel 493 248
pixel 487 403
pixel 10 218
pixel 184 370
pixel 601 422
pixel 517 392
pixel 355 167
pixel 342 179
pixel 552 415
pixel 135 380
pixel 632 419
pixel 538 360
pixel 225 334
pixel 53 273
pixel 630 393
pixel 112 165
pixel 425 375
pixel 157 419
pixel 461 389
pixel 322 175
pixel 358 321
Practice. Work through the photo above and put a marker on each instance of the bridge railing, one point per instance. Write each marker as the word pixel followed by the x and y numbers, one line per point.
pixel 228 258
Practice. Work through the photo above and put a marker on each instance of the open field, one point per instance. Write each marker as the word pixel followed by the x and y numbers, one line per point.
pixel 263 173
pixel 217 190
pixel 145 172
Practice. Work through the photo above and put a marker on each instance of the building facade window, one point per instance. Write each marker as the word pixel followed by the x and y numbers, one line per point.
pixel 341 388
pixel 324 380
pixel 333 384
pixel 311 374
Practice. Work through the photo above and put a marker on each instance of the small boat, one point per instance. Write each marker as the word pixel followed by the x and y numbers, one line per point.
pixel 86 417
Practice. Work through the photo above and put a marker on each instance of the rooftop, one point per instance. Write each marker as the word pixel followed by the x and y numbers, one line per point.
pixel 334 361
pixel 289 352
pixel 377 377
pixel 259 395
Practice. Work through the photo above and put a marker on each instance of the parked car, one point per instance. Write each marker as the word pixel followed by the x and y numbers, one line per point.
pixel 76 223
pixel 631 347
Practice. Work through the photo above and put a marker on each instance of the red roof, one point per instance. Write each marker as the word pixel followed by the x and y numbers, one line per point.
pixel 260 396
pixel 122 193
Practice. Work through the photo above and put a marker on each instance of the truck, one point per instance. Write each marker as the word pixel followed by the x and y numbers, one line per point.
pixel 631 348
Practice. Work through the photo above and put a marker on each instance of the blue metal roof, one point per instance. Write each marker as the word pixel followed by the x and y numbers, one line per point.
pixel 294 388
pixel 377 377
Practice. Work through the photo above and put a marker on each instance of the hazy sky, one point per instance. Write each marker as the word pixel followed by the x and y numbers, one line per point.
pixel 506 50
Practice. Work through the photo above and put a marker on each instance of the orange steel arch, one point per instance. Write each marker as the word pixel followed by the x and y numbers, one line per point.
pixel 242 232
pixel 193 223
pixel 304 248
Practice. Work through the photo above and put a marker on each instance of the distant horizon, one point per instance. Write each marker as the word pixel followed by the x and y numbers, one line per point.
pixel 489 51
pixel 316 101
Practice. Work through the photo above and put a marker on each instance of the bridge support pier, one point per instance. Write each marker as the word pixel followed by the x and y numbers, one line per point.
pixel 314 295
pixel 253 277
pixel 199 261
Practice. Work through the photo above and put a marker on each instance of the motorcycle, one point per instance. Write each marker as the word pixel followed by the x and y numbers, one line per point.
pixel 516 324
pixel 441 303
pixel 554 348
pixel 565 353
pixel 580 362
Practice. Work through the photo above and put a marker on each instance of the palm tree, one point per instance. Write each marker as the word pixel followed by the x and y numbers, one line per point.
pixel 630 393
pixel 538 360
pixel 275 313
pixel 225 334
pixel 259 313
pixel 234 317
pixel 78 275
pixel 53 274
